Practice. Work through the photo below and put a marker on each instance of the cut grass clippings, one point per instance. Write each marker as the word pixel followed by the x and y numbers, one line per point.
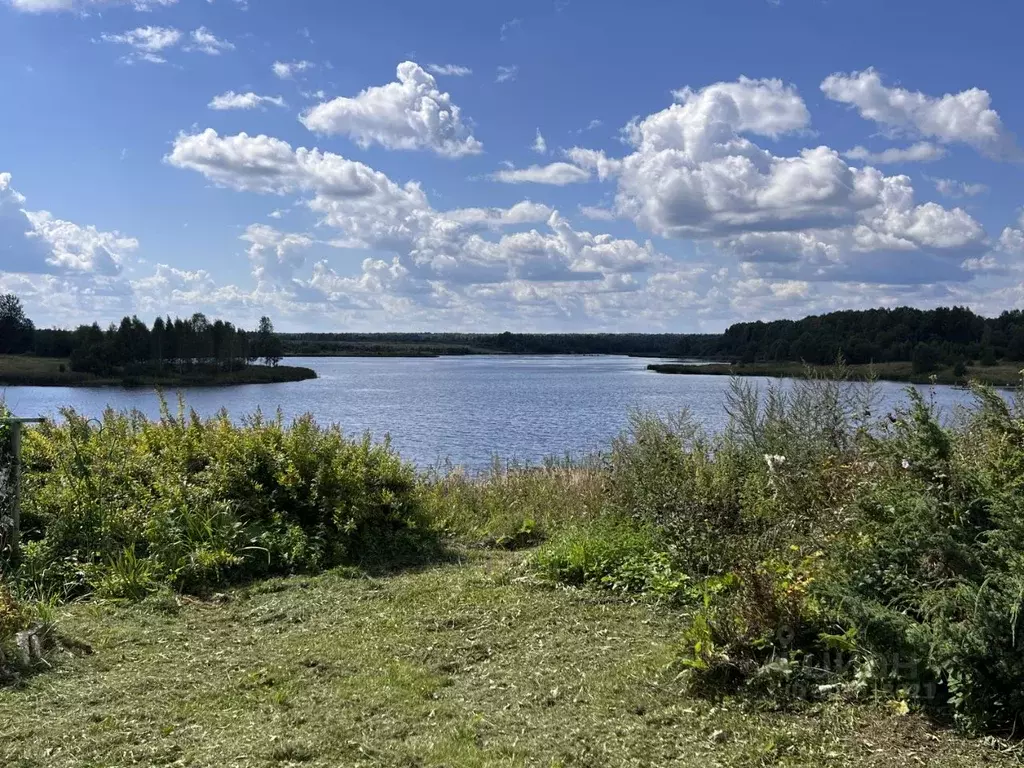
pixel 462 664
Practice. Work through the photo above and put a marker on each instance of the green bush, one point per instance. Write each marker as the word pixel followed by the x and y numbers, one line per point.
pixel 123 504
pixel 612 553
pixel 933 570
pixel 915 586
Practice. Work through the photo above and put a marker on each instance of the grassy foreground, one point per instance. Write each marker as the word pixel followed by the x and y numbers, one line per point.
pixel 28 371
pixel 462 664
pixel 819 584
pixel 1003 375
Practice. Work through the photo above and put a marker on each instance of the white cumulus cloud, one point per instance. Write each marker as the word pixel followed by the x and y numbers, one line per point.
pixel 410 113
pixel 921 152
pixel 965 117
pixel 250 100
pixel 36 242
pixel 558 174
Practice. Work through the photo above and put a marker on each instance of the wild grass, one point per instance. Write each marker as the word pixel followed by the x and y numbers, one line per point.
pixel 463 664
pixel 823 546
pixel 512 506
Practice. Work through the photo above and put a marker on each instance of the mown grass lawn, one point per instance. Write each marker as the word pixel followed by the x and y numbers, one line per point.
pixel 463 664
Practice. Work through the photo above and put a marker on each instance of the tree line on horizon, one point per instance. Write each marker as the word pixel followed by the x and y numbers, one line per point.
pixel 946 336
pixel 927 338
pixel 133 347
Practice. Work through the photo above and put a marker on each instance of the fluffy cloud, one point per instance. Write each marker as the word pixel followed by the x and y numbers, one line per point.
pixel 250 100
pixel 286 70
pixel 450 70
pixel 540 146
pixel 35 242
pixel 48 6
pixel 558 174
pixel 204 41
pixel 275 256
pixel 524 212
pixel 956 189
pixel 693 173
pixel 410 113
pixel 1011 241
pixel 921 152
pixel 147 42
pixel 594 160
pixel 965 117
pixel 443 260
pixel 506 74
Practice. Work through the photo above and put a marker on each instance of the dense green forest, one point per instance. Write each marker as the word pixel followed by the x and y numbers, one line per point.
pixel 928 338
pixel 132 348
pixel 433 344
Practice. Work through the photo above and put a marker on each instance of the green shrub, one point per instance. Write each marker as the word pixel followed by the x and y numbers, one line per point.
pixel 915 586
pixel 613 553
pixel 120 505
pixel 933 570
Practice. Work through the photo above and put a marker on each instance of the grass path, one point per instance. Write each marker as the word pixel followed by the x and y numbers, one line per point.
pixel 459 665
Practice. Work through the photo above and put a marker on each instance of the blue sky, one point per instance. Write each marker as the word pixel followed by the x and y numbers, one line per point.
pixel 700 162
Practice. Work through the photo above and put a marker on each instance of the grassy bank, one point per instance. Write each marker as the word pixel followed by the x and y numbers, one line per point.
pixel 28 371
pixel 820 584
pixel 461 664
pixel 1003 375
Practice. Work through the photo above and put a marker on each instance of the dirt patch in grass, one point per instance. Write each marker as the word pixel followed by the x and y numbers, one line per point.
pixel 465 664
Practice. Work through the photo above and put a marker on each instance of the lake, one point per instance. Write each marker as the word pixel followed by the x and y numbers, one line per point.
pixel 464 409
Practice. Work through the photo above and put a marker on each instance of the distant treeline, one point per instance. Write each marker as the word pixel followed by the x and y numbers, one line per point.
pixel 928 338
pixel 422 344
pixel 134 348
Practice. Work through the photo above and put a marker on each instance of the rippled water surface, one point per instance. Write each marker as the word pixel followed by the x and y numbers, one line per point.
pixel 466 409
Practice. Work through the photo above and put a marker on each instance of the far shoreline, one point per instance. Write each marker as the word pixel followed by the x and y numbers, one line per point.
pixel 28 371
pixel 1002 375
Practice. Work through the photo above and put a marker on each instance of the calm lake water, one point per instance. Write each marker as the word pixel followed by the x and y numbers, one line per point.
pixel 465 409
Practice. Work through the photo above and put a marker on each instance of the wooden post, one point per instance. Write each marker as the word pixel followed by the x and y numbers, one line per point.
pixel 15 482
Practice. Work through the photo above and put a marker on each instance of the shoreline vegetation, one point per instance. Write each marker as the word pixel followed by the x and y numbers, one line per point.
pixel 820 584
pixel 1002 376
pixel 193 351
pixel 902 344
pixel 31 371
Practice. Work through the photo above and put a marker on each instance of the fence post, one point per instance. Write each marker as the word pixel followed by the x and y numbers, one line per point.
pixel 15 539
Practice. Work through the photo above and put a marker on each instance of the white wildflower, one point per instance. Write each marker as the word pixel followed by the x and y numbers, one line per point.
pixel 774 461
pixel 906 463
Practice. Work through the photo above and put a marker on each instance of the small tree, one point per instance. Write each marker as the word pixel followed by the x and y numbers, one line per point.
pixel 16 330
pixel 267 345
